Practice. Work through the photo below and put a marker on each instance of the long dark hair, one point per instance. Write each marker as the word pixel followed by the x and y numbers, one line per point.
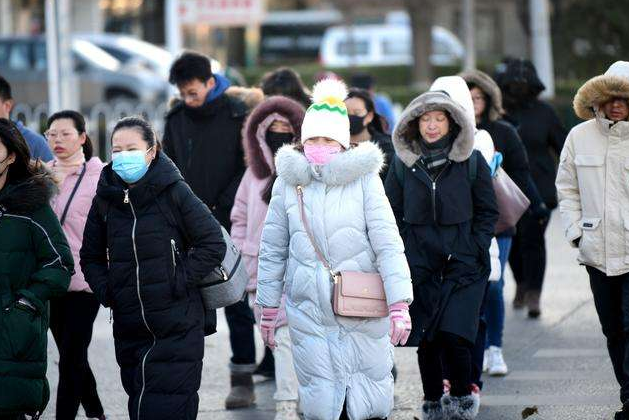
pixel 286 82
pixel 377 124
pixel 22 168
pixel 79 124
pixel 140 125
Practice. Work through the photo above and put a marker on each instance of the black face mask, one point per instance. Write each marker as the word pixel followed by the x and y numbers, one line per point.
pixel 356 124
pixel 277 140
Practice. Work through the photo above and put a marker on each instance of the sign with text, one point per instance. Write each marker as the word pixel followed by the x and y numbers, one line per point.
pixel 221 12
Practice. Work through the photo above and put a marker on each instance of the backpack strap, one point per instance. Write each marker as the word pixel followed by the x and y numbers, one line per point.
pixel 472 167
pixel 171 210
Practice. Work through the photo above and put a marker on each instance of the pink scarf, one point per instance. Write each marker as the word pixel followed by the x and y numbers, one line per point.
pixel 61 168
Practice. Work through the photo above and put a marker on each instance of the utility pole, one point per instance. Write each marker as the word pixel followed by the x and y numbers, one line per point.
pixel 62 92
pixel 469 29
pixel 173 27
pixel 541 45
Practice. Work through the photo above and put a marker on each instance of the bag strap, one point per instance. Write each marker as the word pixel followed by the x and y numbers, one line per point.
pixel 302 214
pixel 76 187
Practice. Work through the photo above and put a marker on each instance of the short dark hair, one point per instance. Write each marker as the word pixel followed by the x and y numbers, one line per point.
pixel 140 125
pixel 189 66
pixel 79 124
pixel 5 89
pixel 286 82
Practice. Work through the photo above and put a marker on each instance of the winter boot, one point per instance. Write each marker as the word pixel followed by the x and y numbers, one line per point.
pixel 241 394
pixel 266 367
pixel 286 410
pixel 518 300
pixel 532 302
pixel 496 365
pixel 461 408
pixel 431 410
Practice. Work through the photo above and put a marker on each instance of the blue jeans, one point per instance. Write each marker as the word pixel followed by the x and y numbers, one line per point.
pixel 495 310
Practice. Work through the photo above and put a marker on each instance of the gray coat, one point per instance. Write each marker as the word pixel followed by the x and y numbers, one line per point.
pixel 336 358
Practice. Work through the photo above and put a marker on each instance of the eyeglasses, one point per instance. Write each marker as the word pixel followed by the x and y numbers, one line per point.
pixel 53 135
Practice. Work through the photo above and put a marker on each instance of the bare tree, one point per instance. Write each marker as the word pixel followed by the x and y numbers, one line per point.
pixel 422 14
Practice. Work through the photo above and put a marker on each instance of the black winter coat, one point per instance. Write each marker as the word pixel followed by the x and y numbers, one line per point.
pixel 384 143
pixel 447 227
pixel 205 144
pixel 134 260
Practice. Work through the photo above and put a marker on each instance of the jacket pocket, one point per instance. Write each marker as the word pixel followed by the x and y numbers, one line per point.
pixel 178 277
pixel 590 252
pixel 22 334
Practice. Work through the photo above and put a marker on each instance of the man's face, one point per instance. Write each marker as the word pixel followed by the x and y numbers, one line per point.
pixel 5 107
pixel 195 91
pixel 616 109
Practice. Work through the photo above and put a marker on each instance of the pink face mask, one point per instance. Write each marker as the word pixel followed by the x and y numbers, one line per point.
pixel 321 154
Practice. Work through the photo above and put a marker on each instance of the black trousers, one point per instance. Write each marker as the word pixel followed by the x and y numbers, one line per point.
pixel 611 298
pixel 528 253
pixel 71 320
pixel 447 356
pixel 241 322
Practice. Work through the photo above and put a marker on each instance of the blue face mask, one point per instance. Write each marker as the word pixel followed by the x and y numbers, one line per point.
pixel 131 165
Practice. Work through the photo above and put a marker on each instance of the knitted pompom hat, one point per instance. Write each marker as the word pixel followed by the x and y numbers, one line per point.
pixel 327 116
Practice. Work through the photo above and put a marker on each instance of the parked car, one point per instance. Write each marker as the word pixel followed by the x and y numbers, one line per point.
pixel 101 76
pixel 384 45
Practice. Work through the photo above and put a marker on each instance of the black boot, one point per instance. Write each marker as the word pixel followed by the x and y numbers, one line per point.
pixel 241 394
pixel 266 367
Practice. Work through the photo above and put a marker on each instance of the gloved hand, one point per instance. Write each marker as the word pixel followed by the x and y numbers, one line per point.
pixel 400 323
pixel 540 213
pixel 267 326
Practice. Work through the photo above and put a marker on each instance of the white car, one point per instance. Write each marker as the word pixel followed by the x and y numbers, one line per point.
pixel 384 45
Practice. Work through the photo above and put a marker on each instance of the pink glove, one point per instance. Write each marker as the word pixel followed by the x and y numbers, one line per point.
pixel 400 323
pixel 267 326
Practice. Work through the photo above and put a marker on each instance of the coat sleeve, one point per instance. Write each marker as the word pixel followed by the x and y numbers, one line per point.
pixel 568 191
pixel 94 262
pixel 485 207
pixel 386 242
pixel 273 250
pixel 239 212
pixel 557 132
pixel 204 233
pixel 54 259
pixel 395 193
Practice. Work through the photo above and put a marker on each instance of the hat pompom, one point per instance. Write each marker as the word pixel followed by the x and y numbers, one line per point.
pixel 331 91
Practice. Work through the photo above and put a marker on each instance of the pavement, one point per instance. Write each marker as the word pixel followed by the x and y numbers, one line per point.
pixel 558 364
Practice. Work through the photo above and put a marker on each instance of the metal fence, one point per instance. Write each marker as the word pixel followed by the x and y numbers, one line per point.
pixel 100 120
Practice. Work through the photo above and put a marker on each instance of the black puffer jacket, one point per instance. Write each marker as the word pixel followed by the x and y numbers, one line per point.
pixel 205 144
pixel 384 143
pixel 134 260
pixel 447 225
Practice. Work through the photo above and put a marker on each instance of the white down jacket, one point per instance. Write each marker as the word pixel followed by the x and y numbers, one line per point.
pixel 593 176
pixel 337 359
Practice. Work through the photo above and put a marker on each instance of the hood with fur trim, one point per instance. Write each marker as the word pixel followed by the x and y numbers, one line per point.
pixel 600 89
pixel 408 149
pixel 30 195
pixel 257 153
pixel 251 97
pixel 485 83
pixel 294 168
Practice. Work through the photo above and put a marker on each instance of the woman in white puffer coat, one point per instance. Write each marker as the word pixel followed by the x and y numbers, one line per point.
pixel 343 364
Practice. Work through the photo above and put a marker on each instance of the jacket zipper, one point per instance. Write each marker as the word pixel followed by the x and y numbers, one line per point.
pixel 433 190
pixel 137 276
pixel 173 248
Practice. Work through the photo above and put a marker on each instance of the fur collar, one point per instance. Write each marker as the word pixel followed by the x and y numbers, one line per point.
pixel 408 149
pixel 490 88
pixel 597 91
pixel 30 195
pixel 293 167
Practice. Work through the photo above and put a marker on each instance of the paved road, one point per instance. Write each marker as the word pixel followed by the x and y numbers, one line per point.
pixel 557 363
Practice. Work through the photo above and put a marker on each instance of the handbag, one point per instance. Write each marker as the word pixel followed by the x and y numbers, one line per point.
pixel 225 285
pixel 355 294
pixel 512 203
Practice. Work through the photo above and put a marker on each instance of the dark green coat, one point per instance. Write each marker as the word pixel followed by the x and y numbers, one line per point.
pixel 35 263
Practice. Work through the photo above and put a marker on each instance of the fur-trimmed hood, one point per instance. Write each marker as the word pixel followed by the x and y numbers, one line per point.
pixel 600 89
pixel 257 153
pixel 485 83
pixel 251 97
pixel 408 149
pixel 30 195
pixel 294 168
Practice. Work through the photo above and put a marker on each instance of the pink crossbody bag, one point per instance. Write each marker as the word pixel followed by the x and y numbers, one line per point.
pixel 355 294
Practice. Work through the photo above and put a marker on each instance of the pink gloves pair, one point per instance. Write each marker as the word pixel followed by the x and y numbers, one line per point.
pixel 267 326
pixel 400 323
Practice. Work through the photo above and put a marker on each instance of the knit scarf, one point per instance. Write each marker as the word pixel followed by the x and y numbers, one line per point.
pixel 61 168
pixel 435 155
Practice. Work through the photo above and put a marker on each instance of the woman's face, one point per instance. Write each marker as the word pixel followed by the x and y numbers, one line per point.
pixel 433 125
pixel 617 109
pixel 129 139
pixel 356 106
pixel 280 127
pixel 6 159
pixel 63 138
pixel 322 141
pixel 478 97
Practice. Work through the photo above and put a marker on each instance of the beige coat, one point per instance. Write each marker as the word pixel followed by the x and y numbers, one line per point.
pixel 593 177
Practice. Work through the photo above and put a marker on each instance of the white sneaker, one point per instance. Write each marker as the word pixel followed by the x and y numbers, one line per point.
pixel 496 363
pixel 486 360
pixel 286 410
